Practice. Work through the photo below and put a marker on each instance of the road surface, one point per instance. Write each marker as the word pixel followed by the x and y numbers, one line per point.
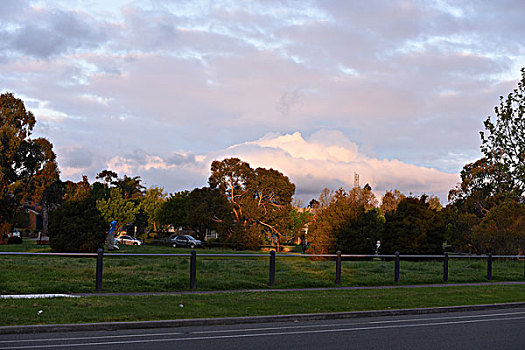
pixel 490 329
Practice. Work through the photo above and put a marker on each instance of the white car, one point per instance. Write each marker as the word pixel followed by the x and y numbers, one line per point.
pixel 128 240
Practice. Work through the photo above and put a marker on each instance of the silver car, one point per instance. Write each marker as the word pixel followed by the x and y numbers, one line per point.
pixel 185 241
pixel 128 240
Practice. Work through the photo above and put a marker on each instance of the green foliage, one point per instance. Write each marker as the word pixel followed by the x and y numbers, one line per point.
pixel 99 190
pixel 342 209
pixel 27 166
pixel 21 219
pixel 488 183
pixel 260 201
pixel 481 187
pixel 140 225
pixel 231 177
pixel 390 200
pixel 502 230
pixel 298 220
pixel 500 174
pixel 77 226
pixel 208 209
pixel 107 176
pixel 434 203
pixel 503 143
pixel 77 191
pixel 151 204
pixel 173 212
pixel 360 234
pixel 117 208
pixel 459 229
pixel 130 187
pixel 413 228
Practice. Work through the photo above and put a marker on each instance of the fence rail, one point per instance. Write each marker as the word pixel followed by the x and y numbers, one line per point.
pixel 272 261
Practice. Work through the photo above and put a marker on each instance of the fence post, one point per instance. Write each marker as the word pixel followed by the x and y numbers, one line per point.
pixel 100 265
pixel 445 268
pixel 193 269
pixel 489 267
pixel 338 268
pixel 396 268
pixel 271 282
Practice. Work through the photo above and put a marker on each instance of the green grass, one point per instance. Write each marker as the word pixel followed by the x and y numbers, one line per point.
pixel 106 309
pixel 26 246
pixel 37 274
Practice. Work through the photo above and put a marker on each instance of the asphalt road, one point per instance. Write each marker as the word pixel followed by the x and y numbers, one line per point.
pixel 489 329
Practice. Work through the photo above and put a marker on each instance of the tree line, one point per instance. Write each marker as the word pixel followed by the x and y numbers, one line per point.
pixel 251 207
pixel 247 206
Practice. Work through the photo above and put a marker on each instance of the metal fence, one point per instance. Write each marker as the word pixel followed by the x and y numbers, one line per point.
pixel 338 257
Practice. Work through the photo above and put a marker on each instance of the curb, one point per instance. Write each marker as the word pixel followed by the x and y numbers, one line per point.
pixel 110 326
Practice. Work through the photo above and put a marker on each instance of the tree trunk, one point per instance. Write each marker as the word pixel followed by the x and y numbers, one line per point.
pixel 45 218
pixel 111 241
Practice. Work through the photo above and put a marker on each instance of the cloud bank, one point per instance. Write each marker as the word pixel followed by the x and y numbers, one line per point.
pixel 396 91
pixel 325 159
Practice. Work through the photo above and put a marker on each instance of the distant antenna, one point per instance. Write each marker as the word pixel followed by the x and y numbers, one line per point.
pixel 356 179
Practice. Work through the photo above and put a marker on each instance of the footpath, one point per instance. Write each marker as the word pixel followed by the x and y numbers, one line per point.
pixel 252 319
pixel 298 289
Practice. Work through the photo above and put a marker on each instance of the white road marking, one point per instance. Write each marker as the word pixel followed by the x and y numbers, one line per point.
pixel 267 334
pixel 36 296
pixel 356 323
pixel 267 328
pixel 82 338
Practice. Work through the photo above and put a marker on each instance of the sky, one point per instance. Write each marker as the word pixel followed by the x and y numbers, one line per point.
pixel 395 91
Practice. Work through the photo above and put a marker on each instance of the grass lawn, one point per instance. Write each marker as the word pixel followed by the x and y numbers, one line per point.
pixel 106 309
pixel 35 274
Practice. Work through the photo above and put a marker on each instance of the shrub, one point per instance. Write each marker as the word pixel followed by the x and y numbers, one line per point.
pixel 14 240
pixel 77 226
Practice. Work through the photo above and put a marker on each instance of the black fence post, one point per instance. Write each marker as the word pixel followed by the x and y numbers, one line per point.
pixel 338 268
pixel 271 282
pixel 445 268
pixel 396 268
pixel 193 269
pixel 100 265
pixel 489 267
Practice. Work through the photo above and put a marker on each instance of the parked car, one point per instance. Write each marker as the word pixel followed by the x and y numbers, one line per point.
pixel 14 237
pixel 128 240
pixel 185 241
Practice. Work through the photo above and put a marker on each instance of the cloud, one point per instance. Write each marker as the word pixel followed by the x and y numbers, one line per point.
pixel 74 160
pixel 325 159
pixel 76 157
pixel 181 159
pixel 12 9
pixel 329 146
pixel 53 32
pixel 161 88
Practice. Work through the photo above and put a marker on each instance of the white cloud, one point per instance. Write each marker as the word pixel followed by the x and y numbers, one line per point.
pixel 324 159
pixel 328 158
pixel 121 165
